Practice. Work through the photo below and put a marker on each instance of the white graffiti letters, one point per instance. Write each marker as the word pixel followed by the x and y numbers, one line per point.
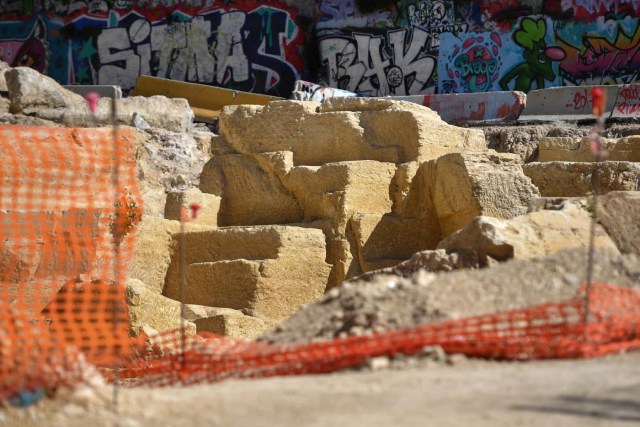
pixel 412 62
pixel 365 64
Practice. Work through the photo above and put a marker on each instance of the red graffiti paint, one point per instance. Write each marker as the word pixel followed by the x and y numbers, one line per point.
pixel 630 104
pixel 599 56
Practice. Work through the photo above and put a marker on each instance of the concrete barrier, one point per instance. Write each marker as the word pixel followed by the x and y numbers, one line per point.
pixel 105 91
pixel 471 107
pixel 575 103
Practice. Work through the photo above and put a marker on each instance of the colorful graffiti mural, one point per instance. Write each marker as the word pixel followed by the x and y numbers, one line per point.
pixel 246 45
pixel 537 53
pixel 395 62
pixel 419 47
pixel 345 13
pixel 592 9
pixel 604 51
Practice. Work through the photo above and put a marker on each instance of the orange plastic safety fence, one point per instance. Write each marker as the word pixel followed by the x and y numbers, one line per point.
pixel 546 331
pixel 68 207
pixel 66 202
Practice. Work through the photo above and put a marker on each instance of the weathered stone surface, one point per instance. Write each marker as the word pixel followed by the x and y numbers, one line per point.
pixel 343 129
pixel 463 186
pixel 619 214
pixel 389 239
pixel 520 140
pixel 402 184
pixel 155 244
pixel 250 195
pixel 432 261
pixel 4 67
pixel 167 162
pixel 4 105
pixel 22 120
pixel 35 94
pixel 225 321
pixel 31 92
pixel 208 204
pixel 270 270
pixel 335 192
pixel 575 179
pixel 577 149
pixel 148 308
pixel 536 234
pixel 339 190
pixel 171 114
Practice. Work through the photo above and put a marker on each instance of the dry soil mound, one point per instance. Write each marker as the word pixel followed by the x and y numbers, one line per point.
pixel 390 302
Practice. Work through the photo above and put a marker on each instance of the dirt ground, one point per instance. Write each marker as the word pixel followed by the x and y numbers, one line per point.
pixel 597 392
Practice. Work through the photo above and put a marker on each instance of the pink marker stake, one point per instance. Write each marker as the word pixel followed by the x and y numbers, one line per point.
pixel 92 99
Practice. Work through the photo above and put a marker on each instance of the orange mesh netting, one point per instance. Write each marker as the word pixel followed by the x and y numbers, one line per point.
pixel 63 211
pixel 69 203
pixel 555 330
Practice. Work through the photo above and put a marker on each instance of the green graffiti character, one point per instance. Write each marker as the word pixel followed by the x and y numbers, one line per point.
pixel 537 56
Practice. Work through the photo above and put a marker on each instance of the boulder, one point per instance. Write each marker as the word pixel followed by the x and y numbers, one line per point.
pixel 30 92
pixel 270 270
pixel 148 308
pixel 619 214
pixel 458 187
pixel 575 179
pixel 225 321
pixel 179 205
pixel 536 234
pixel 344 129
pixel 578 149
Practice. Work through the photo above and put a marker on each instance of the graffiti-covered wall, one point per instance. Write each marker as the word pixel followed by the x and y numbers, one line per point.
pixel 415 47
pixel 247 45
pixel 446 46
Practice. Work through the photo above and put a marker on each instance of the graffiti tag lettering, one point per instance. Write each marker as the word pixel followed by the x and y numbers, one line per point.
pixel 375 65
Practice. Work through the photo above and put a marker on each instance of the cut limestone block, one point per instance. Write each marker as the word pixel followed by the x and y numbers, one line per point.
pixel 333 194
pixel 270 270
pixel 575 179
pixel 619 214
pixel 225 321
pixel 385 240
pixel 250 195
pixel 339 190
pixel 209 206
pixel 578 149
pixel 463 186
pixel 343 129
pixel 155 244
pixel 536 234
pixel 148 308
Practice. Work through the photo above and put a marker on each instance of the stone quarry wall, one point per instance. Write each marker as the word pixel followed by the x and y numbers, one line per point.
pixel 416 47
